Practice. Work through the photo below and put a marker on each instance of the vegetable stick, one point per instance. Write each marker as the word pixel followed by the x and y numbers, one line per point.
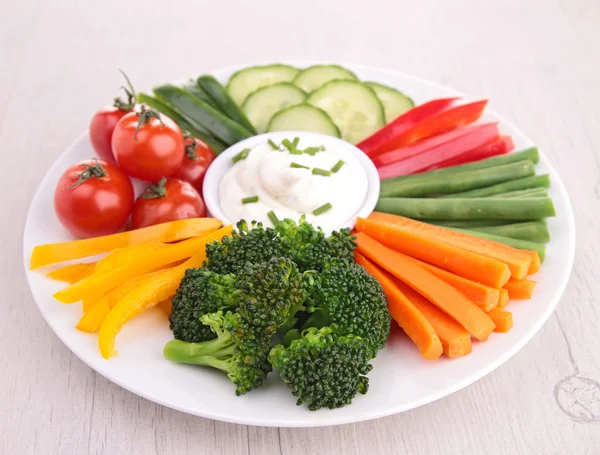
pixel 536 262
pixel 456 341
pixel 484 297
pixel 464 263
pixel 524 183
pixel 504 299
pixel 520 289
pixel 437 291
pixel 517 261
pixel 503 319
pixel 414 323
pixel 72 273
pixel 535 231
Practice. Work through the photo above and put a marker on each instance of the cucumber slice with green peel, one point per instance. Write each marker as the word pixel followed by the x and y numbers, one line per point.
pixel 352 106
pixel 262 104
pixel 395 103
pixel 313 77
pixel 303 117
pixel 248 80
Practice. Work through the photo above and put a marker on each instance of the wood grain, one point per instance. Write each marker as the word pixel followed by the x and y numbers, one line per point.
pixel 538 61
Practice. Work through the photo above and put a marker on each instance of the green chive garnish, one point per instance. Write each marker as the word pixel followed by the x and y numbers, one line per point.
pixel 296 152
pixel 273 144
pixel 337 166
pixel 288 144
pixel 250 200
pixel 296 142
pixel 273 217
pixel 323 172
pixel 241 156
pixel 312 151
pixel 322 209
pixel 298 166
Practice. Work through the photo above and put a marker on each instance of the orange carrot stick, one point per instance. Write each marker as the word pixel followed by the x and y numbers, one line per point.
pixel 416 326
pixel 436 290
pixel 422 246
pixel 520 289
pixel 518 261
pixel 502 318
pixel 456 341
pixel 536 262
pixel 504 299
pixel 481 295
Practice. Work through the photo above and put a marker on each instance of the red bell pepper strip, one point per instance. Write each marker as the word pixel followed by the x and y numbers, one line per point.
pixel 475 138
pixel 424 145
pixel 372 145
pixel 498 146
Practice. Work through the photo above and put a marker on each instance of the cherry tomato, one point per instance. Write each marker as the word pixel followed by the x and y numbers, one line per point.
pixel 93 198
pixel 195 163
pixel 167 200
pixel 148 145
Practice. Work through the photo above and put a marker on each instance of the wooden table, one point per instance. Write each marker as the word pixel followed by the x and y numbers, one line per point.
pixel 537 60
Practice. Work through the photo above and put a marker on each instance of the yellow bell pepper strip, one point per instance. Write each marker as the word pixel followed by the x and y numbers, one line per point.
pixel 166 305
pixel 173 231
pixel 151 291
pixel 72 273
pixel 136 261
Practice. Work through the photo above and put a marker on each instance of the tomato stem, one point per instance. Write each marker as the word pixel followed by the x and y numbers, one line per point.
pixel 94 170
pixel 145 115
pixel 190 146
pixel 130 92
pixel 156 190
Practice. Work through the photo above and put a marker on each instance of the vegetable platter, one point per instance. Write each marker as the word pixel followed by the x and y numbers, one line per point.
pixel 482 218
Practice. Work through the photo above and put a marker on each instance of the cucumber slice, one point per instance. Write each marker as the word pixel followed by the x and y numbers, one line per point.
pixel 260 105
pixel 314 77
pixel 303 117
pixel 353 107
pixel 395 103
pixel 248 80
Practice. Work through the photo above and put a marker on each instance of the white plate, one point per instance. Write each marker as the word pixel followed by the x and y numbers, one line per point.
pixel 401 378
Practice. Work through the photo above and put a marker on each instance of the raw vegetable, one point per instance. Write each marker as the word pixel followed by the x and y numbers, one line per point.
pixel 520 289
pixel 261 105
pixel 462 144
pixel 148 145
pixel 316 76
pixel 395 103
pixel 53 253
pixel 469 209
pixel 166 306
pixel 524 183
pixel 421 185
pixel 502 319
pixel 198 157
pixel 456 341
pixel 467 224
pixel 248 80
pixel 536 231
pixel 504 298
pixel 225 103
pixel 414 323
pixel 515 243
pixel 303 117
pixel 72 273
pixel 536 262
pixel 428 248
pixel 93 198
pixel 532 192
pixel 194 88
pixel 437 291
pixel 517 261
pixel 352 106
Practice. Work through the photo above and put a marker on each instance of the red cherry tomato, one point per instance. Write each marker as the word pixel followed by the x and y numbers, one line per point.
pixel 195 163
pixel 148 145
pixel 167 200
pixel 93 198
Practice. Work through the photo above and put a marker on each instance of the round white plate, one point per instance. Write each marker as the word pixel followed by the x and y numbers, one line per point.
pixel 401 379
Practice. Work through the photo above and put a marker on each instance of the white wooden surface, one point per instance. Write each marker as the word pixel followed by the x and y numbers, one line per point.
pixel 538 61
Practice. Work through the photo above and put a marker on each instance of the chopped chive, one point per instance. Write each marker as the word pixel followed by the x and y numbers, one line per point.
pixel 241 156
pixel 250 200
pixel 288 144
pixel 298 166
pixel 296 152
pixel 337 166
pixel 273 217
pixel 312 151
pixel 273 144
pixel 296 142
pixel 324 208
pixel 323 172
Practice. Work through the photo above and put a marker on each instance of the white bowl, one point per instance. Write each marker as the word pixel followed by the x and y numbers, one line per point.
pixel 223 163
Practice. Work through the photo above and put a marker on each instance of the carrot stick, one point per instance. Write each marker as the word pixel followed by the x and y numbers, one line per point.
pixel 483 296
pixel 520 289
pixel 456 341
pixel 518 261
pixel 503 319
pixel 416 326
pixel 436 290
pixel 504 299
pixel 467 264
pixel 535 262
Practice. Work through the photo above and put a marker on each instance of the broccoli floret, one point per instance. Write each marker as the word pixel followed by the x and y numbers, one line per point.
pixel 324 369
pixel 200 292
pixel 308 247
pixel 239 350
pixel 248 244
pixel 346 295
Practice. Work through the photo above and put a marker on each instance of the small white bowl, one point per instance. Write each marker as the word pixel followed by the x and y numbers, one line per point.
pixel 223 163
